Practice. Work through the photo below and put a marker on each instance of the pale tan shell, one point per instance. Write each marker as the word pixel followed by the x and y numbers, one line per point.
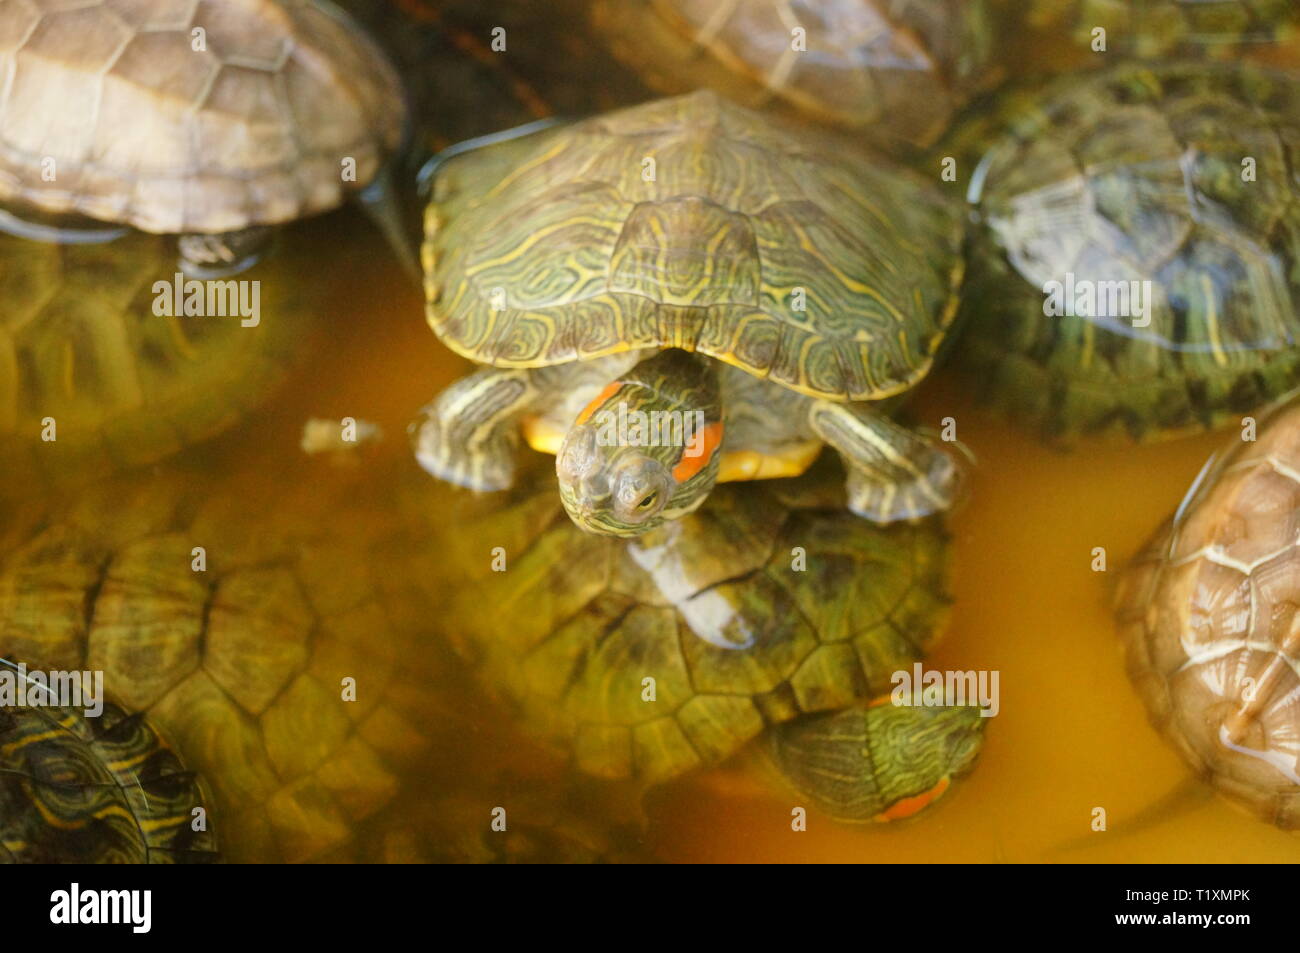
pixel 137 126
pixel 1210 614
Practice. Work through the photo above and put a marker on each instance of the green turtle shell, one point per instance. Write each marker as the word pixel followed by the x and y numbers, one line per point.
pixel 299 670
pixel 697 224
pixel 1182 176
pixel 240 664
pixel 103 789
pixel 643 660
pixel 82 344
pixel 1160 28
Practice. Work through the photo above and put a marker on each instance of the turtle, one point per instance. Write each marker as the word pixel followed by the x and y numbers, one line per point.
pixel 1155 29
pixel 102 789
pixel 770 622
pixel 710 277
pixel 1207 613
pixel 102 368
pixel 1135 272
pixel 285 646
pixel 894 69
pixel 212 121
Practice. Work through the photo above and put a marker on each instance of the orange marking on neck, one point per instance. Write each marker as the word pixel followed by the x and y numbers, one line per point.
pixel 687 467
pixel 609 391
pixel 909 806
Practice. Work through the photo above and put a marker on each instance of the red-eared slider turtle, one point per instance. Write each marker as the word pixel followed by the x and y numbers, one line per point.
pixel 94 789
pixel 679 292
pixel 1137 268
pixel 109 358
pixel 898 68
pixel 230 615
pixel 1158 28
pixel 285 646
pixel 768 614
pixel 209 120
pixel 1208 613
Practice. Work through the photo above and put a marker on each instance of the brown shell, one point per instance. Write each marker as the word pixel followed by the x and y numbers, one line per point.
pixel 108 110
pixel 1210 614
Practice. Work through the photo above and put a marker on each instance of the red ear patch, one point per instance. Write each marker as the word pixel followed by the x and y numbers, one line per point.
pixel 609 391
pixel 687 467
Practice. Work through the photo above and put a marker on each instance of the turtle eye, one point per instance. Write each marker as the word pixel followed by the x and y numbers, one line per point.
pixel 648 501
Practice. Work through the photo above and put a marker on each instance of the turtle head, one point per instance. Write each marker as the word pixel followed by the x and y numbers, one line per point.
pixel 633 460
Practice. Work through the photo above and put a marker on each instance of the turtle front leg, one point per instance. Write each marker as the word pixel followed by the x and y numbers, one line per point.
pixel 224 253
pixel 469 435
pixel 894 474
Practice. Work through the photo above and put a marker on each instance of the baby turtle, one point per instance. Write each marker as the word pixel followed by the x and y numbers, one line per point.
pixel 683 292
pixel 768 616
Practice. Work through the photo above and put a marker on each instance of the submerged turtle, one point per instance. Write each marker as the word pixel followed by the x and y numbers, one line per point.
pixel 1208 612
pixel 101 789
pixel 739 291
pixel 1160 28
pixel 769 614
pixel 102 366
pixel 1137 269
pixel 208 120
pixel 281 644
pixel 899 69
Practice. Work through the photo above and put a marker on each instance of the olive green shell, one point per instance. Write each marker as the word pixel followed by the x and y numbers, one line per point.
pixel 240 664
pixel 693 223
pixel 766 604
pixel 1180 175
pixel 82 344
pixel 76 789
pixel 1221 29
pixel 1208 613
pixel 897 70
pixel 175 116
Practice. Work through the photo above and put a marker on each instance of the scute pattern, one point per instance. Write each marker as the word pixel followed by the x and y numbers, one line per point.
pixel 902 64
pixel 1137 175
pixel 145 130
pixel 80 342
pixel 734 637
pixel 241 665
pixel 98 790
pixel 561 247
pixel 1210 612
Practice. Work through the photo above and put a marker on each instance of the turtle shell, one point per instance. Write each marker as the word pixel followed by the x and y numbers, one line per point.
pixel 180 116
pixel 1208 613
pixel 103 789
pixel 646 659
pixel 898 68
pixel 697 224
pixel 1160 28
pixel 1181 177
pixel 240 662
pixel 87 341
